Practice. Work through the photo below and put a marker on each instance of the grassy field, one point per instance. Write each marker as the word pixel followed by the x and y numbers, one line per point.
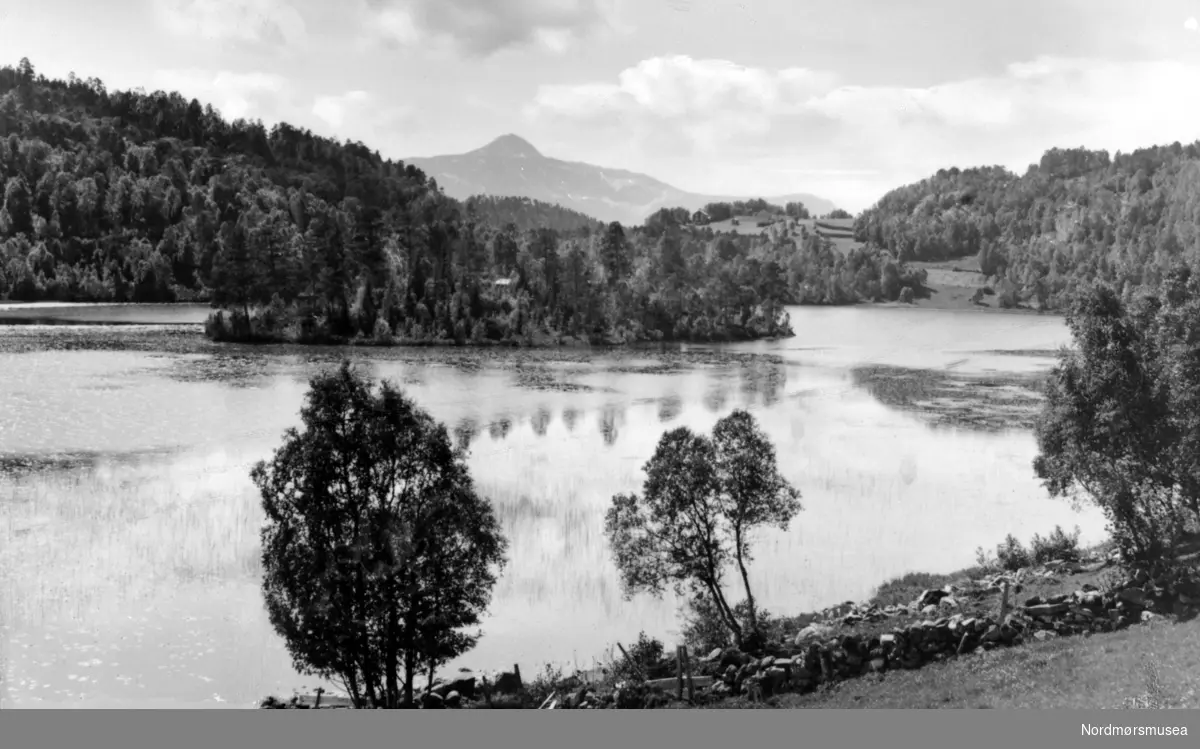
pixel 952 284
pixel 838 231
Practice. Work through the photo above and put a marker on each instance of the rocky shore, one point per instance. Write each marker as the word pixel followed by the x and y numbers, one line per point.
pixel 961 618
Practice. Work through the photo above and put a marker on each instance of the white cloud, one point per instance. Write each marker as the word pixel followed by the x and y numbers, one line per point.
pixel 483 27
pixel 358 115
pixel 233 94
pixel 1191 24
pixel 397 24
pixel 708 119
pixel 266 21
pixel 554 40
pixel 333 109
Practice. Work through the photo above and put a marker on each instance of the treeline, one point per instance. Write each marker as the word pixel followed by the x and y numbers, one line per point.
pixel 136 197
pixel 805 266
pixel 527 214
pixel 128 196
pixel 1076 217
pixel 723 211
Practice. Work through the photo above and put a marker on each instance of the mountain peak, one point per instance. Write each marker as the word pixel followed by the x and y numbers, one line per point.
pixel 512 146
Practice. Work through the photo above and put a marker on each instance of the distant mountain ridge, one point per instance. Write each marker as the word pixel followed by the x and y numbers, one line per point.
pixel 512 166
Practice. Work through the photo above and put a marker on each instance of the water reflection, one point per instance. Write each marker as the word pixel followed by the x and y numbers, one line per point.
pixel 129 529
pixel 669 408
pixel 540 421
pixel 611 419
pixel 465 432
pixel 499 428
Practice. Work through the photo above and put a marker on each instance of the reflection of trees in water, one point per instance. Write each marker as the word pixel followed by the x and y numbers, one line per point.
pixel 669 408
pixel 763 378
pixel 540 421
pixel 612 418
pixel 569 417
pixel 465 432
pixel 499 428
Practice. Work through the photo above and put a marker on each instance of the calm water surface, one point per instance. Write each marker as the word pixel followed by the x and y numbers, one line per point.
pixel 129 526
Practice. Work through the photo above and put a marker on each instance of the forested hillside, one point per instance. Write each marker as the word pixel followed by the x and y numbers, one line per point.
pixel 526 214
pixel 1076 217
pixel 129 196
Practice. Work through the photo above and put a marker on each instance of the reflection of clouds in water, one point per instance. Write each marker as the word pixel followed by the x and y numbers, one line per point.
pixel 908 469
pixel 144 533
pixel 797 425
pixel 716 398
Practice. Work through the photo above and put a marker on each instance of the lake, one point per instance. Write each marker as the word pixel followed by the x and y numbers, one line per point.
pixel 129 526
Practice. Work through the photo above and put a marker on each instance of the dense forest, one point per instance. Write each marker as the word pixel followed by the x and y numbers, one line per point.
pixel 527 214
pixel 150 197
pixel 1076 217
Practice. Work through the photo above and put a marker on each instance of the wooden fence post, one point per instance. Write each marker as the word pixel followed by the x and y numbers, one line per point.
pixel 679 672
pixel 687 666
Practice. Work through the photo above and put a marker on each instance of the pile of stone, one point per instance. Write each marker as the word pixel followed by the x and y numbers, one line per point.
pixel 818 654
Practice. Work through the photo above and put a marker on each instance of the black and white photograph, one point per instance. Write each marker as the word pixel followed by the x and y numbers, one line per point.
pixel 601 355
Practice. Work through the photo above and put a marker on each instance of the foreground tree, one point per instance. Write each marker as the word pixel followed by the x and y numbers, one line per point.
pixel 1120 422
pixel 377 551
pixel 753 492
pixel 701 500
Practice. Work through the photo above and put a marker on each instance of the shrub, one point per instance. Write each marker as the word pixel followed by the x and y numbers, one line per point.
pixel 382 332
pixel 639 659
pixel 1057 546
pixel 1012 555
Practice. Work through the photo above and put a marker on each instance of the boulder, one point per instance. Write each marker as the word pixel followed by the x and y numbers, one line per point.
pixel 773 680
pixel 1132 596
pixel 508 682
pixel 931 597
pixel 432 701
pixel 1188 591
pixel 813 632
pixel 453 700
pixel 463 683
pixel 851 645
pixel 1047 609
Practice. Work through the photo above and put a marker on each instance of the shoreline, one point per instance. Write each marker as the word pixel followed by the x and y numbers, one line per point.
pixel 912 624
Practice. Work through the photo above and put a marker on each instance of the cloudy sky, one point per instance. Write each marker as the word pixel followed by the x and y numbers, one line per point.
pixel 843 98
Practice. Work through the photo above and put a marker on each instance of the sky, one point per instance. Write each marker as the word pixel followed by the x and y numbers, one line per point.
pixel 845 99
